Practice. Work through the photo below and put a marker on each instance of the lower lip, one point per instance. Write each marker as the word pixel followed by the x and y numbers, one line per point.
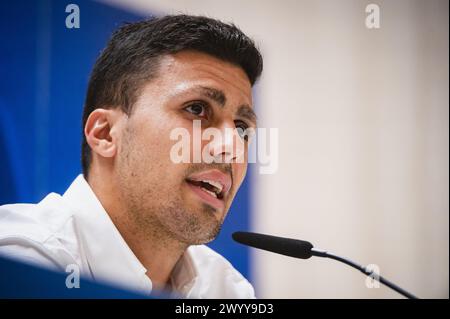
pixel 207 198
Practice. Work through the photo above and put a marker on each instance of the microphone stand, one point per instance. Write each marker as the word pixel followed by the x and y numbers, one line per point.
pixel 364 270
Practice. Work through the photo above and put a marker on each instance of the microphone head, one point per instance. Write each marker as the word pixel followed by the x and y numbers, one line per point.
pixel 285 246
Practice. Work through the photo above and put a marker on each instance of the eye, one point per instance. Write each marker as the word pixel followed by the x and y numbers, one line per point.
pixel 241 128
pixel 197 109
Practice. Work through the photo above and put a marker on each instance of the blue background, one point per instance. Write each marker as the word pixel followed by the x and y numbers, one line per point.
pixel 44 70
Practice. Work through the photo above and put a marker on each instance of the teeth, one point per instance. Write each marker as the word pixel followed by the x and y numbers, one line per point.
pixel 215 184
pixel 209 192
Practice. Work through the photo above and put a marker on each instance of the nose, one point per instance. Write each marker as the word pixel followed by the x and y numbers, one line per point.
pixel 227 148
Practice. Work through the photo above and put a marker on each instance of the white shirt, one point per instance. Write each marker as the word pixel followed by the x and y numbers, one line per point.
pixel 74 229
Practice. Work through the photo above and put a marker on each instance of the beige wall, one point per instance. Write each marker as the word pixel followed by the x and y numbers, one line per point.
pixel 363 121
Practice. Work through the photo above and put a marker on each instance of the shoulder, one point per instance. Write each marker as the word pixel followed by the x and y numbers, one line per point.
pixel 34 221
pixel 32 232
pixel 223 280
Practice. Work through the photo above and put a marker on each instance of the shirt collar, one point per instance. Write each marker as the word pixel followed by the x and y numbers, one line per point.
pixel 108 255
pixel 184 275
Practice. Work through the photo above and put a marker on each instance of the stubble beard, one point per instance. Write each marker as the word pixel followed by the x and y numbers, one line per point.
pixel 168 221
pixel 158 212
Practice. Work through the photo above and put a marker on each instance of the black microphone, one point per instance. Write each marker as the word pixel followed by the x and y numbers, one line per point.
pixel 304 250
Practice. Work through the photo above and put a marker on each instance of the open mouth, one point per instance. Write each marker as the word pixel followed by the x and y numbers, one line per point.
pixel 211 187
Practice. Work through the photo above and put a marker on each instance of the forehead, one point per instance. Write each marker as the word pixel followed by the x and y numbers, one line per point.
pixel 187 69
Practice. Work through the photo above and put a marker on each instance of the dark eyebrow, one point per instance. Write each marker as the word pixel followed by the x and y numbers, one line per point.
pixel 219 97
pixel 214 94
pixel 247 112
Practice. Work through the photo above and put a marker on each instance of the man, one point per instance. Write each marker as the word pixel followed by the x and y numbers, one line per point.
pixel 136 217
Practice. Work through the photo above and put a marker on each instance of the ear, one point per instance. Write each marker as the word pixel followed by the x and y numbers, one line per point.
pixel 101 131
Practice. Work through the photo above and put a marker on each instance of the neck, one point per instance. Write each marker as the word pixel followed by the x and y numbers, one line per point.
pixel 157 251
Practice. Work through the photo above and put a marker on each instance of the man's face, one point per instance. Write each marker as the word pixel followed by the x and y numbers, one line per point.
pixel 172 198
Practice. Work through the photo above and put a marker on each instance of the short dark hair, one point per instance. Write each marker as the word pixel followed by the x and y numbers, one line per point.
pixel 131 57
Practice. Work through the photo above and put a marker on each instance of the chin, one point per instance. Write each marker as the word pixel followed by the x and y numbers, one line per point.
pixel 197 236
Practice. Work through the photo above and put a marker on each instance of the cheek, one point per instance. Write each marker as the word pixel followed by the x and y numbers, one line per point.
pixel 140 150
pixel 153 138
